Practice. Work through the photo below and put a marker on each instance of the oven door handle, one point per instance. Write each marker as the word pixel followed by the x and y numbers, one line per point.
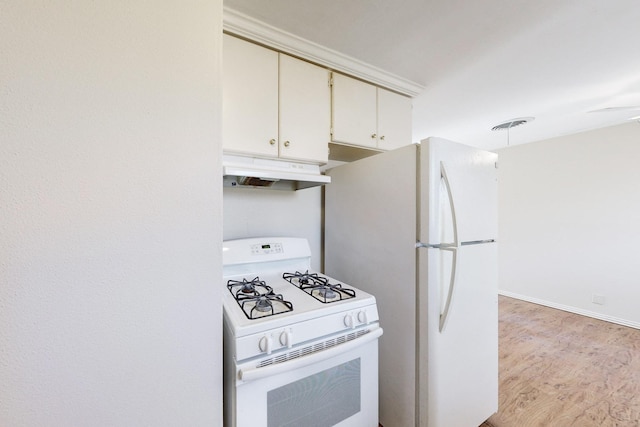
pixel 252 374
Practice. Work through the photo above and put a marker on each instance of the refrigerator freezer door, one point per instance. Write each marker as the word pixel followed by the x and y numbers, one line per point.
pixel 471 176
pixel 459 365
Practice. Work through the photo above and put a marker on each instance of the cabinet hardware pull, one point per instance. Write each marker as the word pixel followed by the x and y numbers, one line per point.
pixel 272 141
pixel 382 138
pixel 287 143
pixel 373 135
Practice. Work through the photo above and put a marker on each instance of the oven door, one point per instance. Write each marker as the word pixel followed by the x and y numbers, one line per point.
pixel 334 387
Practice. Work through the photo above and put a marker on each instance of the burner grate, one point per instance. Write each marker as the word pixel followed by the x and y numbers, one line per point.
pixel 248 288
pixel 319 287
pixel 257 299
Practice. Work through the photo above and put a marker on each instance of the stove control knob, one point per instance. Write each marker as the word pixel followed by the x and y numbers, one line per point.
pixel 266 344
pixel 286 338
pixel 362 316
pixel 349 321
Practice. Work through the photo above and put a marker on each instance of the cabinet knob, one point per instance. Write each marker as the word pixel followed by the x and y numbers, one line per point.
pixel 373 135
pixel 382 138
pixel 287 143
pixel 272 141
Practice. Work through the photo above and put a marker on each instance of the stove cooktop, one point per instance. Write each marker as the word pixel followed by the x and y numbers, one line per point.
pixel 270 285
pixel 258 300
pixel 276 302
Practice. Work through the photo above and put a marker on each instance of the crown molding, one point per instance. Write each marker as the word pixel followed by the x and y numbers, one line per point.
pixel 252 29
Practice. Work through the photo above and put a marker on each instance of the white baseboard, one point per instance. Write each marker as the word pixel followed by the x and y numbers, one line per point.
pixel 571 309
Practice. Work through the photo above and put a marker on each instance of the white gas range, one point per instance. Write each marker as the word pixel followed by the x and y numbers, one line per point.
pixel 300 348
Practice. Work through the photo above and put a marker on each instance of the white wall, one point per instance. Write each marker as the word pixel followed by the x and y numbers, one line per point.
pixel 570 222
pixel 110 213
pixel 259 212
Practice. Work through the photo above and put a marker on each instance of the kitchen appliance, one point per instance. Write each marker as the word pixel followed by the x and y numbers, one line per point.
pixel 417 227
pixel 300 348
pixel 253 172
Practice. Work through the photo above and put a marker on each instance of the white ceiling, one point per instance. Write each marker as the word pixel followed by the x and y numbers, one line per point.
pixel 485 62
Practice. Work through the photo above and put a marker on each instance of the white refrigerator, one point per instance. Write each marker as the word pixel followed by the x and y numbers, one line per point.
pixel 417 228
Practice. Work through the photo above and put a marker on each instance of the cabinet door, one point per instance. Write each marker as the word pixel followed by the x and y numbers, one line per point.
pixel 250 98
pixel 394 120
pixel 305 110
pixel 353 111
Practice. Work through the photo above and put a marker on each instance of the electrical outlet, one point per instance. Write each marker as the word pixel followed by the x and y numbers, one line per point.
pixel 598 299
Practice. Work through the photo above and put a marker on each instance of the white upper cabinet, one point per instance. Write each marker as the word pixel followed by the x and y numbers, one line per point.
pixel 368 116
pixel 305 105
pixel 354 111
pixel 250 98
pixel 274 105
pixel 394 120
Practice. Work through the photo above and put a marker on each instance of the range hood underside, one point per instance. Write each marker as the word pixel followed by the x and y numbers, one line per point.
pixel 249 172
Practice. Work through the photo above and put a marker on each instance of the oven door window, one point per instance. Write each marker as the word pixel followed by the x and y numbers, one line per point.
pixel 320 400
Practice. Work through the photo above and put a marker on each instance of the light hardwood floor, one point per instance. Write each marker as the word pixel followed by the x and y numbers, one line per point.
pixel 560 369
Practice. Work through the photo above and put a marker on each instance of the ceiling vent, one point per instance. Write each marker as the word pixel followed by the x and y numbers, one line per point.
pixel 513 123
pixel 616 109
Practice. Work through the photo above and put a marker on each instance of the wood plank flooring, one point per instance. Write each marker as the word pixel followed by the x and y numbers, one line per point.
pixel 560 369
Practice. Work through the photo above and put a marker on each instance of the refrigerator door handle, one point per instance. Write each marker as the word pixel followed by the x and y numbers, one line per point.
pixel 444 315
pixel 444 246
pixel 477 242
pixel 445 178
pixel 453 248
